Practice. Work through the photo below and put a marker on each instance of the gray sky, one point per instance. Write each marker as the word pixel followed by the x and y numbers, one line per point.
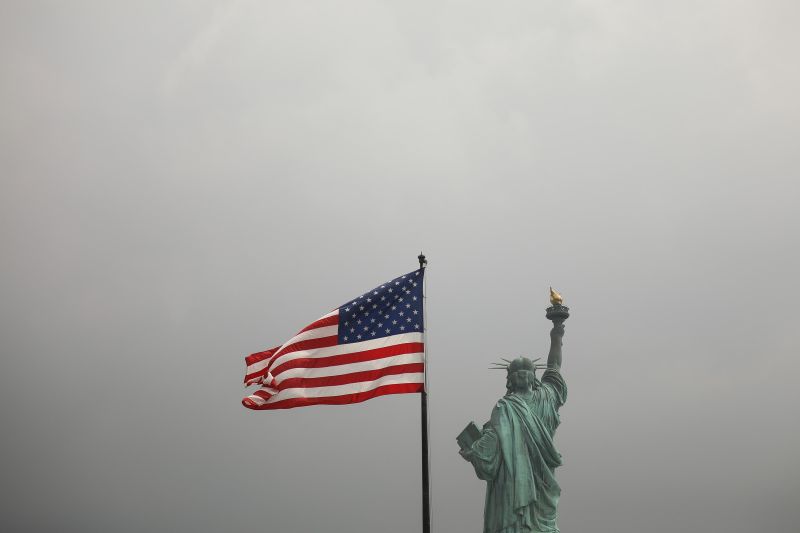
pixel 185 183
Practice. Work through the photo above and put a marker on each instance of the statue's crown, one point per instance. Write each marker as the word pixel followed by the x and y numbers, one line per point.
pixel 520 363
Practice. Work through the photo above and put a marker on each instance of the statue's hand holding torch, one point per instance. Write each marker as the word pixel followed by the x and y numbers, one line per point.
pixel 558 313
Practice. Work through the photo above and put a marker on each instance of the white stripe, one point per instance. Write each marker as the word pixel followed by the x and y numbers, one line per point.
pixel 350 388
pixel 348 348
pixel 258 400
pixel 255 367
pixel 316 333
pixel 404 359
pixel 334 312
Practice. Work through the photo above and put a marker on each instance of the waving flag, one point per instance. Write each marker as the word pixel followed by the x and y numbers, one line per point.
pixel 371 346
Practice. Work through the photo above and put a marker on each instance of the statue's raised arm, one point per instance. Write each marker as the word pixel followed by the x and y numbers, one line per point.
pixel 556 340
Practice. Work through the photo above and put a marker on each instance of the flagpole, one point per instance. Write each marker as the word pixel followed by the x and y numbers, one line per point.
pixel 426 482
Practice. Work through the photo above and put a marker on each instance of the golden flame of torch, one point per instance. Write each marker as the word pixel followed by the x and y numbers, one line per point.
pixel 555 297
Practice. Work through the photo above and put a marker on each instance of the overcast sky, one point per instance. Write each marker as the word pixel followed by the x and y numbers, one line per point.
pixel 185 183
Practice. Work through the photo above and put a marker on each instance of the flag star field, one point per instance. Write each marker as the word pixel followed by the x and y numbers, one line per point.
pixel 393 308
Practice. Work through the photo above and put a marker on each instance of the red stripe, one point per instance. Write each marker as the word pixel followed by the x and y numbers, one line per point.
pixel 353 377
pixel 260 373
pixel 347 358
pixel 259 356
pixel 262 394
pixel 401 388
pixel 250 404
pixel 321 323
pixel 309 344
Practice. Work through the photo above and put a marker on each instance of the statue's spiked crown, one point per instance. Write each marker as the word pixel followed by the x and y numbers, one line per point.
pixel 520 363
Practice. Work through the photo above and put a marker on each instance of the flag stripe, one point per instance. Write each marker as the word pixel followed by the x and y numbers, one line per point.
pixel 260 356
pixel 349 358
pixel 304 338
pixel 255 377
pixel 341 349
pixel 322 331
pixel 255 371
pixel 262 394
pixel 356 366
pixel 331 319
pixel 306 345
pixel 352 377
pixel 257 366
pixel 403 388
pixel 349 388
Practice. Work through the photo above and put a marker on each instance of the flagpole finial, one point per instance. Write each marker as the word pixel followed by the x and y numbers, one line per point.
pixel 422 260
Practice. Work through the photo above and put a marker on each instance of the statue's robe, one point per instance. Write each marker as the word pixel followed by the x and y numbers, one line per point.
pixel 517 458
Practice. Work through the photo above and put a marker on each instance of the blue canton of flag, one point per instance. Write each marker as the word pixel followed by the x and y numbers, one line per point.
pixel 391 309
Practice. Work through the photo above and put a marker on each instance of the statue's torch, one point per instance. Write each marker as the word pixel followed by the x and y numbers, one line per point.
pixel 557 312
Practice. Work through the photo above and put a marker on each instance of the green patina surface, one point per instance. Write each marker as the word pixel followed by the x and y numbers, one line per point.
pixel 515 453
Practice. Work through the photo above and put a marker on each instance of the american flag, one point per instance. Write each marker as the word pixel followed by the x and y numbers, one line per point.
pixel 371 346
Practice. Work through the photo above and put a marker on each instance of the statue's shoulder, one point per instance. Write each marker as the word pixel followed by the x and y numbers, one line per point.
pixel 508 400
pixel 554 383
pixel 501 404
pixel 499 411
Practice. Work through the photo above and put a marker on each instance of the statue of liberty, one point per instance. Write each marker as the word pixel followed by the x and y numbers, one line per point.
pixel 514 453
